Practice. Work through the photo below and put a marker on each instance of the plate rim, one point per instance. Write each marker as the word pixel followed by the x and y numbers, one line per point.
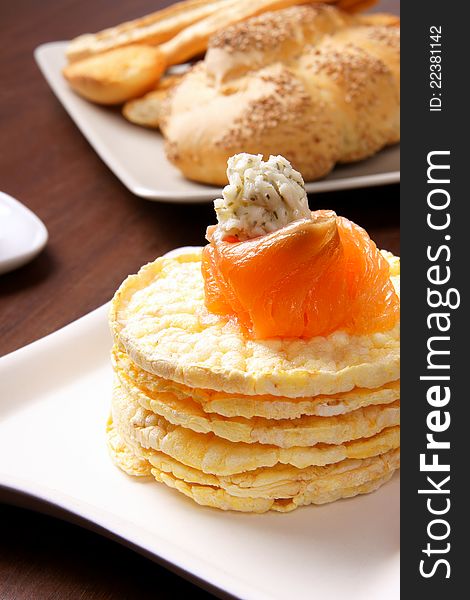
pixel 31 498
pixel 26 501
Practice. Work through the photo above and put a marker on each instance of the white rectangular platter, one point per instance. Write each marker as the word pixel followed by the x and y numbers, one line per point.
pixel 137 157
pixel 54 401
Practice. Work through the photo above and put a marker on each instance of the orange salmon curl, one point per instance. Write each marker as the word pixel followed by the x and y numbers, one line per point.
pixel 310 278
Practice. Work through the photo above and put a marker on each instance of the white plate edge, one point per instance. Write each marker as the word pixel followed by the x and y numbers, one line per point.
pixel 192 565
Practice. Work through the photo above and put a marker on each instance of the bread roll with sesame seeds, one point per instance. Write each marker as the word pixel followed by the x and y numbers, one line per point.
pixel 313 83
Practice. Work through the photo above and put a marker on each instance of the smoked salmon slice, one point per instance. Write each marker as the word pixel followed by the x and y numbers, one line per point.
pixel 310 278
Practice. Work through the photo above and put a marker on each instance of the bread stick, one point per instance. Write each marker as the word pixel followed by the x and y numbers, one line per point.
pixel 193 40
pixel 355 5
pixel 380 19
pixel 152 29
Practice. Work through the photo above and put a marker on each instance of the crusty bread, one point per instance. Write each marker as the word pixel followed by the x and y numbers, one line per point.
pixel 312 83
pixel 152 29
pixel 193 41
pixel 164 24
pixel 120 63
pixel 116 76
pixel 147 110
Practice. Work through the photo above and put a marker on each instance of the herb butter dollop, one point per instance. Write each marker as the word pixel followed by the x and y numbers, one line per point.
pixel 261 197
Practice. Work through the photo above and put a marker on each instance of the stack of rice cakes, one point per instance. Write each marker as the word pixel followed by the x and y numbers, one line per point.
pixel 246 425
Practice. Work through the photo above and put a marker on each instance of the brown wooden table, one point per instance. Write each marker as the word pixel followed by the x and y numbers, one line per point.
pixel 99 233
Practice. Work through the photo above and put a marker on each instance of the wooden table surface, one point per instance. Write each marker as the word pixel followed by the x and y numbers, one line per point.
pixel 99 233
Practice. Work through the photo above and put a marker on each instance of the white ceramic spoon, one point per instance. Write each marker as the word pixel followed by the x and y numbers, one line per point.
pixel 22 234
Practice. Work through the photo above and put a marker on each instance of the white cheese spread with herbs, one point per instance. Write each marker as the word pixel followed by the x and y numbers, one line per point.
pixel 261 197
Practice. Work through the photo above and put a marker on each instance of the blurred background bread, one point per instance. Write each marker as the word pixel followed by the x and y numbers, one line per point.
pixel 147 110
pixel 152 29
pixel 316 82
pixel 126 61
pixel 312 83
pixel 117 75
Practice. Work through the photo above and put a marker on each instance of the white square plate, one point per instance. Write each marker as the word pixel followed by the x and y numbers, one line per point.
pixel 136 155
pixel 54 402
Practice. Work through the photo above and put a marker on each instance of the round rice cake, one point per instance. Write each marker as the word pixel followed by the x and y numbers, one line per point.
pixel 198 402
pixel 123 456
pixel 310 486
pixel 347 482
pixel 280 481
pixel 160 319
pixel 304 431
pixel 211 454
pixel 219 498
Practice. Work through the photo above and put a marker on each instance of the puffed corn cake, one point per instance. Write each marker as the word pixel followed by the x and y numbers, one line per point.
pixel 241 424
